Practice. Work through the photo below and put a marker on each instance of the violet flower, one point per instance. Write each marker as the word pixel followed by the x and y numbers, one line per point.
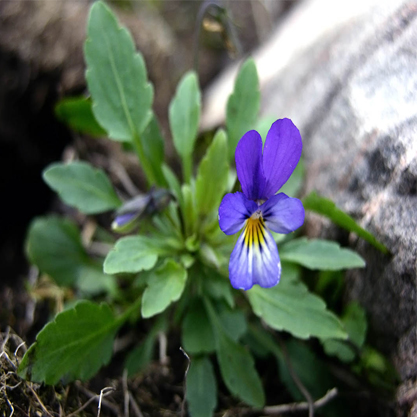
pixel 255 258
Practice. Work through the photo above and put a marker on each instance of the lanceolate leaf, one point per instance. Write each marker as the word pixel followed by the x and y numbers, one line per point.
pixel 184 114
pixel 74 346
pixel 243 105
pixel 77 113
pixel 133 254
pixel 290 307
pixel 82 186
pixel 236 364
pixel 173 183
pixel 165 286
pixel 201 391
pixel 153 147
pixel 212 175
pixel 320 254
pixel 327 208
pixel 197 335
pixel 54 246
pixel 116 77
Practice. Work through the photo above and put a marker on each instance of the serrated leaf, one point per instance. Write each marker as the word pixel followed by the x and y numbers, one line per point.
pixel 184 114
pixel 116 76
pixel 153 147
pixel 133 254
pixel 77 113
pixel 197 335
pixel 212 175
pixel 201 388
pixel 243 105
pixel 320 254
pixel 74 346
pixel 165 286
pixel 54 246
pixel 80 185
pixel 326 207
pixel 291 307
pixel 236 364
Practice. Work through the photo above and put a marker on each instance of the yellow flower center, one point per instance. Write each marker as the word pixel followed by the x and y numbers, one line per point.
pixel 254 233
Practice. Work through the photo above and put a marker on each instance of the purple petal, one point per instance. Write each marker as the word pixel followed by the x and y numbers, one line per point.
pixel 283 214
pixel 282 152
pixel 233 212
pixel 254 259
pixel 248 158
pixel 122 219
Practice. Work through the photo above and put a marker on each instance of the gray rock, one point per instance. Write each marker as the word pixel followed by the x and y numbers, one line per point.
pixel 353 94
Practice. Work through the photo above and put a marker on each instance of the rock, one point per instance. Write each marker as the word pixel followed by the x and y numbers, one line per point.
pixel 350 85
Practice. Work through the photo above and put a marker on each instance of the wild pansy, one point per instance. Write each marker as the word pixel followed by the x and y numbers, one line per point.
pixel 257 209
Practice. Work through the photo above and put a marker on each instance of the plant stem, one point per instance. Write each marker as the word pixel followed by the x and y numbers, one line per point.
pixel 135 306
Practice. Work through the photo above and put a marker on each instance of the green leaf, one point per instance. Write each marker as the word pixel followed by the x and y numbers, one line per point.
pixel 233 322
pixel 339 349
pixel 153 147
pixel 312 372
pixel 116 76
pixel 218 287
pixel 290 307
pixel 92 281
pixel 165 286
pixel 320 254
pixel 189 213
pixel 354 320
pixel 173 183
pixel 82 186
pixel 133 254
pixel 243 105
pixel 212 175
pixel 54 246
pixel 201 388
pixel 263 125
pixel 184 114
pixel 74 346
pixel 295 183
pixel 139 358
pixel 77 113
pixel 197 335
pixel 326 207
pixel 236 364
